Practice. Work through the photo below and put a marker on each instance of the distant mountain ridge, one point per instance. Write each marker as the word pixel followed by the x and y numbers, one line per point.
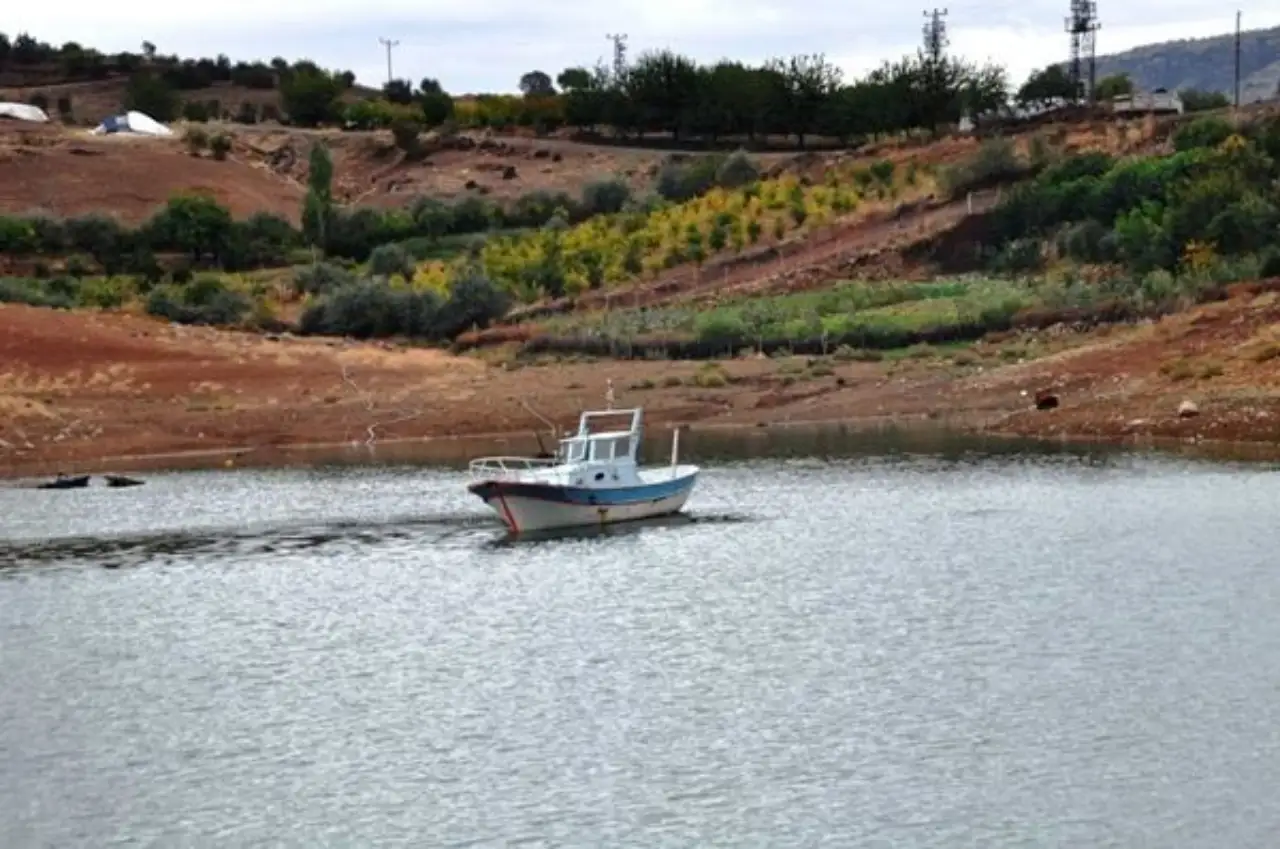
pixel 1205 64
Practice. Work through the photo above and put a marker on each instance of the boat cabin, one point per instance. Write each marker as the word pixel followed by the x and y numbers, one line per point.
pixel 603 446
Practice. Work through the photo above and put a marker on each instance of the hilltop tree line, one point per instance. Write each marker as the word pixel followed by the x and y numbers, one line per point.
pixel 662 92
pixel 75 63
pixel 665 92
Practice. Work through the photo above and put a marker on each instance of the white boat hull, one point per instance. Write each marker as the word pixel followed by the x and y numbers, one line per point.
pixel 540 507
pixel 530 514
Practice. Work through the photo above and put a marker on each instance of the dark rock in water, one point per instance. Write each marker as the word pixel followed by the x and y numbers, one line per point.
pixel 1046 400
pixel 64 482
pixel 121 480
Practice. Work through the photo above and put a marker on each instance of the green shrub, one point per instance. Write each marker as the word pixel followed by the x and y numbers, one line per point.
pixel 355 233
pixel 105 293
pixel 372 310
pixel 1207 131
pixel 17 236
pixel 379 114
pixel 432 218
pixel 197 140
pixel 195 111
pixel 681 179
pixel 389 261
pixel 1076 167
pixel 1142 242
pixel 1019 256
pixel 206 300
pixel 1270 264
pixel 16 290
pixel 882 171
pixel 474 215
pixel 50 233
pixel 533 209
pixel 99 236
pixel 321 278
pixel 220 146
pixel 1244 226
pixel 262 240
pixel 737 170
pixel 405 131
pixel 1086 241
pixel 721 328
pixel 605 197
pixel 474 301
pixel 996 161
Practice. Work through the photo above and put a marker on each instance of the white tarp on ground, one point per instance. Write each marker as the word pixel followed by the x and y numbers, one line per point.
pixel 133 122
pixel 22 112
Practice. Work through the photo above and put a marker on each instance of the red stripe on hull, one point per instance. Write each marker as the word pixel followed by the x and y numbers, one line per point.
pixel 506 513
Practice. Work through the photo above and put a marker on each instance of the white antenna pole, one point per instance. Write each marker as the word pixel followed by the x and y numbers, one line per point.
pixel 608 395
pixel 675 449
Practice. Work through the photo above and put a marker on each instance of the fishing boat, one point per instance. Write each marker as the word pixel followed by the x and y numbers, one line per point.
pixel 593 479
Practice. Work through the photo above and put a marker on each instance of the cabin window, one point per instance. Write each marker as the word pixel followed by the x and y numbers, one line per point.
pixel 573 452
pixel 601 450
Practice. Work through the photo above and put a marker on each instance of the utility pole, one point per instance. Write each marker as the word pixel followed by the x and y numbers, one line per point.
pixel 1237 59
pixel 935 45
pixel 388 43
pixel 619 53
pixel 935 35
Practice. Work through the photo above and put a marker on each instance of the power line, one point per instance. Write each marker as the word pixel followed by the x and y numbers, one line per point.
pixel 388 43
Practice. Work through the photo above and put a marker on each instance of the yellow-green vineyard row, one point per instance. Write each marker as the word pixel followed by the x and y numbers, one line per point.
pixel 608 250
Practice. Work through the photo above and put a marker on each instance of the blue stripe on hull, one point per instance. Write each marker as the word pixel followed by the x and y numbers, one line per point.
pixel 582 495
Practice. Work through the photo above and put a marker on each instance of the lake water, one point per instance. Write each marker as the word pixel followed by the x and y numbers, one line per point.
pixel 900 651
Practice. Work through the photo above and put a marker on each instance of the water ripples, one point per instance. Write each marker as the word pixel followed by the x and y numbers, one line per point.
pixel 908 652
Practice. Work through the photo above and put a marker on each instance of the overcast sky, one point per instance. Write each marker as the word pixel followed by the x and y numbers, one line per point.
pixel 485 45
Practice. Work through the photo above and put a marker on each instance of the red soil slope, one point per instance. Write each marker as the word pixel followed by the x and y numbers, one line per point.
pixel 48 171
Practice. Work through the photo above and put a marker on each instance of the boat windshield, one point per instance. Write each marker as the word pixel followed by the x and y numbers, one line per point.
pixel 610 448
pixel 597 449
pixel 572 451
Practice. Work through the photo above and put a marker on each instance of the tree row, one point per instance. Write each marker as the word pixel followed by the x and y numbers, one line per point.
pixel 661 93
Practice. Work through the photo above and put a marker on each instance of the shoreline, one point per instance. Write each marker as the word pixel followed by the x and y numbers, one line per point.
pixel 83 392
pixel 457 451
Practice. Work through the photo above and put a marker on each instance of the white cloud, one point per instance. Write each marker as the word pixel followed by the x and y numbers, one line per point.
pixel 487 44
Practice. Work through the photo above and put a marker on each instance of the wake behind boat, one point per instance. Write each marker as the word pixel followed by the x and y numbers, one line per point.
pixel 592 480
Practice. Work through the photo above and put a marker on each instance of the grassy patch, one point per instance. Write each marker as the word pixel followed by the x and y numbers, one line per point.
pixel 846 321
